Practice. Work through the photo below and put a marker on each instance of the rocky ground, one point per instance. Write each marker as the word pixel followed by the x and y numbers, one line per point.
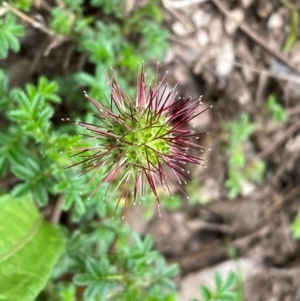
pixel 232 53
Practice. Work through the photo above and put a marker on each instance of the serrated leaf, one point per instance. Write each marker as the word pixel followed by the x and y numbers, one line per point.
pixel 218 281
pixel 83 279
pixel 22 100
pixel 229 282
pixel 8 32
pixel 168 283
pixel 68 201
pixel 21 189
pixel 29 249
pixel 137 240
pixel 18 116
pixel 171 271
pixel 84 78
pixel 61 20
pixel 147 243
pixel 46 114
pixel 41 194
pixel 36 106
pixel 48 88
pixel 205 292
pixel 79 205
pixel 92 266
pixel 98 268
pixel 3 81
pixel 31 90
pixel 13 43
pixel 23 172
pixel 228 296
pixel 91 291
pixel 33 165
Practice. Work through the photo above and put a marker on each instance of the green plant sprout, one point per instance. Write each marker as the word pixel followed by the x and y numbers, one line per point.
pixel 224 289
pixel 278 112
pixel 295 227
pixel 9 33
pixel 238 167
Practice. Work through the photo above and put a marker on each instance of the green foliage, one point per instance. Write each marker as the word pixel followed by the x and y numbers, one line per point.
pixel 294 25
pixel 238 169
pixel 61 21
pixel 114 7
pixel 22 4
pixel 295 227
pixel 103 44
pixel 223 291
pixel 103 257
pixel 142 275
pixel 9 31
pixel 29 248
pixel 155 37
pixel 74 5
pixel 278 112
pixel 35 148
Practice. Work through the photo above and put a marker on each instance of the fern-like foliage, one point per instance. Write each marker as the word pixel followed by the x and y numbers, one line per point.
pixel 144 273
pixel 9 31
pixel 223 289
pixel 34 147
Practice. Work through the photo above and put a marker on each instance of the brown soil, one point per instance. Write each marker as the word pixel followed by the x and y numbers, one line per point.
pixel 231 53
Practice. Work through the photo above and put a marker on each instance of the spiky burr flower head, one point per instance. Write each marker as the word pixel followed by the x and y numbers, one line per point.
pixel 138 138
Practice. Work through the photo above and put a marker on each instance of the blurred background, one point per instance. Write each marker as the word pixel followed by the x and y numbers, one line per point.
pixel 242 214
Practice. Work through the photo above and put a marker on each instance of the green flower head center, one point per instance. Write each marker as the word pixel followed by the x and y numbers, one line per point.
pixel 147 141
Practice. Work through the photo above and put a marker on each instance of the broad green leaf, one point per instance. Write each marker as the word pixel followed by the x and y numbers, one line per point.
pixel 29 248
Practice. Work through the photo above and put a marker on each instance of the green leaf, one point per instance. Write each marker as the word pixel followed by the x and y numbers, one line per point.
pixel 24 172
pixel 293 28
pixel 147 244
pixel 23 4
pixel 168 283
pixel 46 88
pixel 41 193
pixel 171 270
pixel 3 81
pixel 218 281
pixel 278 112
pixel 205 292
pixel 61 20
pixel 228 296
pixel 229 282
pixel 83 279
pixel 8 32
pixel 21 189
pixel 29 248
pixel 295 227
pixel 137 240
